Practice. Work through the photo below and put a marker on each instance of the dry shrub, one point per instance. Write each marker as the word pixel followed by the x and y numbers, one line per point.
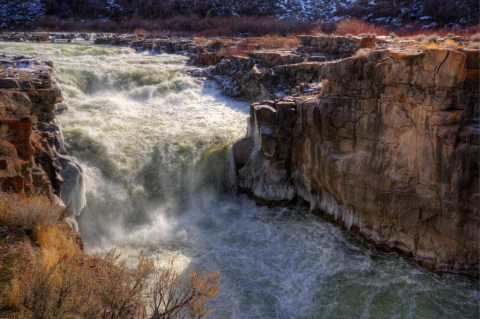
pixel 58 291
pixel 431 46
pixel 170 298
pixel 46 275
pixel 28 212
pixel 449 43
pixel 55 243
pixel 107 288
pixel 356 27
pixel 291 43
pixel 140 32
pixel 176 25
pixel 277 42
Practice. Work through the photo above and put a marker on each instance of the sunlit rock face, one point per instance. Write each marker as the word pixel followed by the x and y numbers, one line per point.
pixel 31 141
pixel 390 146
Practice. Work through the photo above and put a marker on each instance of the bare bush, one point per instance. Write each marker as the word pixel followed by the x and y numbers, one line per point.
pixel 356 27
pixel 179 25
pixel 172 297
pixel 108 288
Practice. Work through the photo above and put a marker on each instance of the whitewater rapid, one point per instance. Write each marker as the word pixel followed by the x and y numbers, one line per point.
pixel 154 141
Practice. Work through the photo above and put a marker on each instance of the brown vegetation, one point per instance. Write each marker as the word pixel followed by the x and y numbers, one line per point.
pixel 44 273
pixel 356 27
pixel 28 212
pixel 194 25
pixel 179 25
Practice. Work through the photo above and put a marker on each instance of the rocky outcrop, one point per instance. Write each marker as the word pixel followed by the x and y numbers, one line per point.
pixel 279 73
pixel 271 59
pixel 336 46
pixel 32 151
pixel 246 77
pixel 389 147
pixel 240 76
pixel 158 45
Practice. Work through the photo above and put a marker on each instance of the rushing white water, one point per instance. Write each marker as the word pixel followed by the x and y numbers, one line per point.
pixel 153 142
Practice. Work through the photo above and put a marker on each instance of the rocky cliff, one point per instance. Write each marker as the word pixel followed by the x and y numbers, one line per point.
pixel 389 147
pixel 32 151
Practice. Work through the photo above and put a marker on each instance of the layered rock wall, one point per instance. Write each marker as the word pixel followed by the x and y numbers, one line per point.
pixel 32 151
pixel 389 147
pixel 343 46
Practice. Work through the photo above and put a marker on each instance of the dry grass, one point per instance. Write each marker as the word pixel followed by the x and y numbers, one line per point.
pixel 430 46
pixel 55 244
pixel 449 43
pixel 357 27
pixel 28 212
pixel 140 32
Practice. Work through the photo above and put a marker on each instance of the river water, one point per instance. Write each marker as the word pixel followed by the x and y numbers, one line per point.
pixel 154 141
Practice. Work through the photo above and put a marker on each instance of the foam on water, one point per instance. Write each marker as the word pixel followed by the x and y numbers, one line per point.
pixel 154 146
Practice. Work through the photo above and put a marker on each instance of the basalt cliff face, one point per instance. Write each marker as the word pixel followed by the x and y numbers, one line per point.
pixel 389 146
pixel 33 158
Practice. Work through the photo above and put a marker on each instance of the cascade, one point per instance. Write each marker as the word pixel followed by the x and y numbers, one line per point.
pixel 158 173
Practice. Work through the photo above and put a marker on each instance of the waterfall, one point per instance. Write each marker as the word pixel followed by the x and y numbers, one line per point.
pixel 154 147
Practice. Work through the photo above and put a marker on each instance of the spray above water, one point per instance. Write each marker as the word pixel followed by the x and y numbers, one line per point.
pixel 154 146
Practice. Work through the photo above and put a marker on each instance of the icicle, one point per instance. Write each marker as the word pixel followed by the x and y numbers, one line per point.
pixel 73 189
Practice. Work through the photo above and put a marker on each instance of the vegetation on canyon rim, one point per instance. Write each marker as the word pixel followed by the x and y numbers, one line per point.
pixel 45 274
pixel 230 27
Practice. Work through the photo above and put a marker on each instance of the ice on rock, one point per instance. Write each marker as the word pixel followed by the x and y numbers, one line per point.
pixel 73 189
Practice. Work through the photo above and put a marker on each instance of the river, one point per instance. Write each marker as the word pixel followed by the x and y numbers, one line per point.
pixel 153 142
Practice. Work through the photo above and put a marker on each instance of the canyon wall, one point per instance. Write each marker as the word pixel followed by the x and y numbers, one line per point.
pixel 389 147
pixel 33 158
